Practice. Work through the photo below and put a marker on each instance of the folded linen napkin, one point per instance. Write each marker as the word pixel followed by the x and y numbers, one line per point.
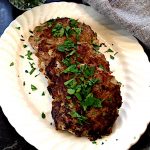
pixel 133 15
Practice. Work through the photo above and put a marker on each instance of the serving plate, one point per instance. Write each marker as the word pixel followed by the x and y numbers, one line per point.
pixel 24 105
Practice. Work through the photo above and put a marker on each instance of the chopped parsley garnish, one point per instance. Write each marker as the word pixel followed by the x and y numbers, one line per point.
pixel 73 23
pixel 82 77
pixel 71 91
pixel 71 69
pixel 38 29
pixel 12 64
pixel 112 57
pixel 21 56
pixel 67 61
pixel 26 71
pixel 116 53
pixel 67 46
pixel 109 51
pixel 101 67
pixel 71 53
pixel 43 115
pixel 81 119
pixel 24 83
pixel 22 40
pixel 58 30
pixel 94 142
pixel 37 39
pixel 24 46
pixel 87 70
pixel 68 31
pixel 31 31
pixel 18 28
pixel 103 44
pixel 78 32
pixel 43 93
pixel 33 87
pixel 91 101
pixel 37 75
pixel 68 97
pixel 93 81
pixel 32 70
pixel 29 54
pixel 96 47
pixel 50 22
pixel 69 81
pixel 78 96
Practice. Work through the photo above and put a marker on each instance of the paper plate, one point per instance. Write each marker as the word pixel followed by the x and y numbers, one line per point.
pixel 23 107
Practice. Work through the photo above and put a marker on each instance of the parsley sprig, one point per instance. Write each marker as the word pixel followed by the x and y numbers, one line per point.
pixel 81 119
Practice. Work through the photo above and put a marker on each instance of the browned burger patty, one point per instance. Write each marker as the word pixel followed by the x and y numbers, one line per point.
pixel 86 95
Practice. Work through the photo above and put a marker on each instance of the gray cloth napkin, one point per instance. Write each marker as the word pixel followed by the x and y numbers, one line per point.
pixel 133 15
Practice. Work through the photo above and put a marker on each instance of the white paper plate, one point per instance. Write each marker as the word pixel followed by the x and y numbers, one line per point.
pixel 130 66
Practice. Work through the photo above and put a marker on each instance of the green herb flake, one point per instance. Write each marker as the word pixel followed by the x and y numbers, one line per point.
pixel 21 56
pixel 33 88
pixel 68 97
pixel 50 22
pixel 26 71
pixel 112 57
pixel 96 47
pixel 103 44
pixel 12 64
pixel 91 101
pixel 24 46
pixel 71 91
pixel 116 53
pixel 73 22
pixel 109 51
pixel 32 70
pixel 71 53
pixel 78 32
pixel 93 81
pixel 43 93
pixel 69 81
pixel 66 46
pixel 43 115
pixel 37 75
pixel 18 28
pixel 94 142
pixel 72 68
pixel 24 83
pixel 31 31
pixel 101 67
pixel 78 96
pixel 66 61
pixel 87 70
pixel 38 29
pixel 37 39
pixel 22 40
pixel 81 118
pixel 58 30
pixel 29 54
pixel 68 31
